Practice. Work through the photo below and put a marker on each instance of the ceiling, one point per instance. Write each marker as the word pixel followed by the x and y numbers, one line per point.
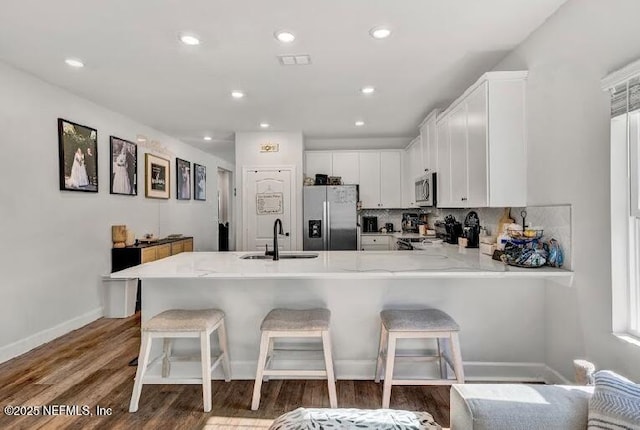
pixel 136 65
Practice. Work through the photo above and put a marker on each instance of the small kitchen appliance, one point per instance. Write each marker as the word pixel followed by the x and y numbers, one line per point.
pixel 471 230
pixel 389 226
pixel 425 189
pixel 453 229
pixel 410 222
pixel 369 224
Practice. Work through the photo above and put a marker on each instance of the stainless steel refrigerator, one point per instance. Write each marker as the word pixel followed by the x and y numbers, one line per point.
pixel 330 218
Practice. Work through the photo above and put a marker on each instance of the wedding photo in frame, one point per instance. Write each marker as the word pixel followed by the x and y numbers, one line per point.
pixel 199 182
pixel 183 179
pixel 156 177
pixel 78 156
pixel 124 167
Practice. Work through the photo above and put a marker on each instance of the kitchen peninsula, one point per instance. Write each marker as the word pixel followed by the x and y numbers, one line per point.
pixel 500 308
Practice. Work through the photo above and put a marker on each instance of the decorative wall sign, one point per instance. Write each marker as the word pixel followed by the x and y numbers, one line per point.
pixel 269 203
pixel 78 156
pixel 269 147
pixel 156 177
pixel 124 167
pixel 199 182
pixel 183 179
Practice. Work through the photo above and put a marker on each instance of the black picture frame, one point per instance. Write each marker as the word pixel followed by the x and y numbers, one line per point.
pixel 77 156
pixel 199 182
pixel 183 179
pixel 123 172
pixel 157 177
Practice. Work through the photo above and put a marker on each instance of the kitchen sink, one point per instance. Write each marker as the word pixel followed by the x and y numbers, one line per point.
pixel 282 256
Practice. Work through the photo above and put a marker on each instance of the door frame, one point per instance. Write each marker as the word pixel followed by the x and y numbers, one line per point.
pixel 293 231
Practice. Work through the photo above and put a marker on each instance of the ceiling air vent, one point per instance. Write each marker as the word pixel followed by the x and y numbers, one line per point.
pixel 294 60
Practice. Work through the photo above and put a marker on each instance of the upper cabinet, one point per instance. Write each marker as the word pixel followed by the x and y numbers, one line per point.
pixel 318 162
pixel 481 145
pixel 378 173
pixel 380 179
pixel 412 168
pixel 428 142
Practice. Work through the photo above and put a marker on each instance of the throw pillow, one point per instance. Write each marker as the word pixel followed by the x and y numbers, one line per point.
pixel 615 404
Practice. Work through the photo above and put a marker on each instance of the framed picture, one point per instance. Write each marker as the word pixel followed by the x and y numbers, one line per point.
pixel 156 177
pixel 183 179
pixel 78 154
pixel 124 167
pixel 199 182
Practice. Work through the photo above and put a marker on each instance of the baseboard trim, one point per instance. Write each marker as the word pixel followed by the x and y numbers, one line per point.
pixel 475 371
pixel 27 344
pixel 552 376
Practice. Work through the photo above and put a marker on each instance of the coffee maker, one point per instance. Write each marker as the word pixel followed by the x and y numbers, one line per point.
pixel 369 224
pixel 471 230
pixel 453 230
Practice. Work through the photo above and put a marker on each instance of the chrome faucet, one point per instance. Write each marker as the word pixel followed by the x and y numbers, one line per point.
pixel 276 232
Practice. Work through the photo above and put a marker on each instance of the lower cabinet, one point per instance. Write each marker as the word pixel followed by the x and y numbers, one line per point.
pixel 375 243
pixel 129 256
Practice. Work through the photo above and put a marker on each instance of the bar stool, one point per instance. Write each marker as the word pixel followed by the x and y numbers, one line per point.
pixel 282 323
pixel 418 324
pixel 177 323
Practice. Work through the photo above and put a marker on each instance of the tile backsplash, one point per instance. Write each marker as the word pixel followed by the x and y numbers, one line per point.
pixel 555 220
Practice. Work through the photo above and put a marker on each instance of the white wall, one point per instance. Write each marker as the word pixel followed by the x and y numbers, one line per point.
pixel 58 243
pixel 291 146
pixel 568 162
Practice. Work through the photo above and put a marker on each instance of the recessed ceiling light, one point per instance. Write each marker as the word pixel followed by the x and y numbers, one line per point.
pixel 207 138
pixel 237 94
pixel 74 62
pixel 359 123
pixel 380 32
pixel 285 36
pixel 368 90
pixel 189 39
pixel 264 125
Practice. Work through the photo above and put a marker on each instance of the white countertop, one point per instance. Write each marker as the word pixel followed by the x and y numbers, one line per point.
pixel 439 262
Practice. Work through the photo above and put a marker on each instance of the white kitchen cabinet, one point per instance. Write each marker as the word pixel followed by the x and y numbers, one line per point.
pixel 376 243
pixel 369 179
pixel 443 165
pixel 411 170
pixel 458 153
pixel 485 144
pixel 390 179
pixel 380 179
pixel 477 174
pixel 318 162
pixel 347 166
pixel 428 141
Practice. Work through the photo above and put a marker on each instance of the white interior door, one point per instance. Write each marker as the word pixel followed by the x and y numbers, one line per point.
pixel 267 198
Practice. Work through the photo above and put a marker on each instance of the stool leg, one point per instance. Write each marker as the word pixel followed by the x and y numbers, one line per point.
pixel 262 359
pixel 457 357
pixel 328 362
pixel 205 352
pixel 145 350
pixel 269 356
pixel 381 347
pixel 166 363
pixel 224 350
pixel 388 373
pixel 441 359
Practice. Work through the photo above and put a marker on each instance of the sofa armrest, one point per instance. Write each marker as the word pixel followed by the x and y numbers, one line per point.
pixel 519 407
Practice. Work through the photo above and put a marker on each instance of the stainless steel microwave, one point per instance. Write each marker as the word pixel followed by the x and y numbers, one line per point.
pixel 426 190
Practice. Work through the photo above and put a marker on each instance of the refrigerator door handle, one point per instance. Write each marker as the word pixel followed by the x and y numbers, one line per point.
pixel 328 226
pixel 323 228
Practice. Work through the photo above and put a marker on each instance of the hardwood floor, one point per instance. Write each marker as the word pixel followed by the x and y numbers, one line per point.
pixel 89 367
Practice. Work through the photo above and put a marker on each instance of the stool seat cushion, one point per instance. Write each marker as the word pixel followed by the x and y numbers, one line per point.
pixel 293 319
pixel 418 320
pixel 302 419
pixel 184 320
